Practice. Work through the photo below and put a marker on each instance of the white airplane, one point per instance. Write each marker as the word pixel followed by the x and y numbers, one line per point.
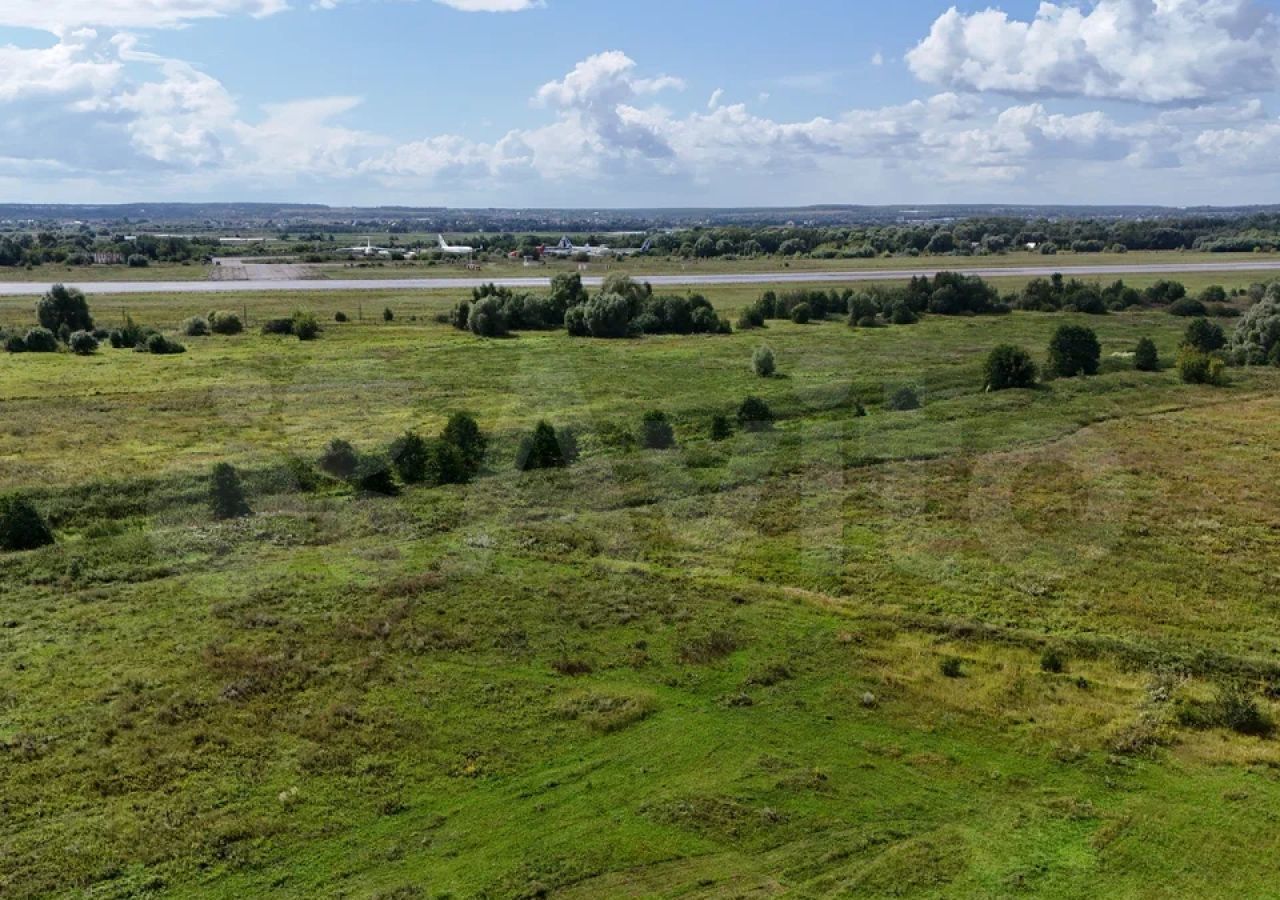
pixel 567 248
pixel 453 249
pixel 367 250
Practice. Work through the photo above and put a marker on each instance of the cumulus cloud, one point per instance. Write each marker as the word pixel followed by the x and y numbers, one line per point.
pixel 97 107
pixel 1149 51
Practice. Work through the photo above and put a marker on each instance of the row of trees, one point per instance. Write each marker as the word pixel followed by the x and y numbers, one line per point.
pixel 79 248
pixel 622 308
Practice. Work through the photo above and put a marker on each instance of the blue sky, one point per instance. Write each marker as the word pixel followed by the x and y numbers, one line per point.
pixel 572 103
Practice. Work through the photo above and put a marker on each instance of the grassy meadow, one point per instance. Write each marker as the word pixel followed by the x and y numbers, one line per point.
pixel 966 650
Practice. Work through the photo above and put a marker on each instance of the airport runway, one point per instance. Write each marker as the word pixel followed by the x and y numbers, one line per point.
pixel 34 288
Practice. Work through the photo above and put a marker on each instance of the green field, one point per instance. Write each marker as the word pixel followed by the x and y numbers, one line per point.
pixel 712 671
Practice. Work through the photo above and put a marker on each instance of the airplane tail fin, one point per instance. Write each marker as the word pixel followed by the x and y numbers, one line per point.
pixel 646 246
pixel 565 243
pixel 443 243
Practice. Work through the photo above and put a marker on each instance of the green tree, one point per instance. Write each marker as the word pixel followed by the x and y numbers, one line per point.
pixel 721 427
pixel 1145 356
pixel 463 432
pixel 488 318
pixel 763 362
pixel 411 456
pixel 82 343
pixel 1197 367
pixel 1256 340
pixel 226 494
pixel 1007 367
pixel 63 306
pixel 339 459
pixel 21 525
pixel 1074 350
pixel 755 415
pixel 1204 336
pixel 656 432
pixel 540 450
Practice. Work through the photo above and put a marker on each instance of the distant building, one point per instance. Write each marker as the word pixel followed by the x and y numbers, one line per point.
pixel 107 258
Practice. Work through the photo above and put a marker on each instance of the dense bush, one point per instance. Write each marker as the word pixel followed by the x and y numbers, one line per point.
pixel 14 343
pixel 567 290
pixel 460 314
pixel 1204 336
pixel 1053 662
pixel 1197 367
pixel 953 294
pixel 755 415
pixel 1188 307
pixel 721 427
pixel 1057 293
pixel 138 261
pixel 1145 356
pixel 410 454
pixel 763 362
pixel 1233 706
pixel 226 495
pixel 487 318
pixel 388 315
pixel 305 326
pixel 82 343
pixel 447 465
pixel 656 432
pixel 63 307
pixel 903 399
pixel 338 459
pixel 575 321
pixel 21 525
pixel 160 345
pixel 801 314
pixel 463 432
pixel 673 314
pixel 372 474
pixel 340 317
pixel 222 322
pixel 131 334
pixel 1256 340
pixel 278 326
pixel 40 340
pixel 196 326
pixel 1164 293
pixel 607 316
pixel 1074 350
pixel 751 317
pixel 540 450
pixel 568 440
pixel 1007 367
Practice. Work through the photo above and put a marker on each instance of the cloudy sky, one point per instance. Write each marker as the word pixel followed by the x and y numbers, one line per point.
pixel 656 103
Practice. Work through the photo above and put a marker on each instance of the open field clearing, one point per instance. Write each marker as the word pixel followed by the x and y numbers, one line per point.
pixel 973 649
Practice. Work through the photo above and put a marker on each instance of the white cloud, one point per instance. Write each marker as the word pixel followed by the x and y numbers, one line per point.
pixel 492 5
pixel 99 109
pixel 877 59
pixel 63 16
pixel 1150 51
